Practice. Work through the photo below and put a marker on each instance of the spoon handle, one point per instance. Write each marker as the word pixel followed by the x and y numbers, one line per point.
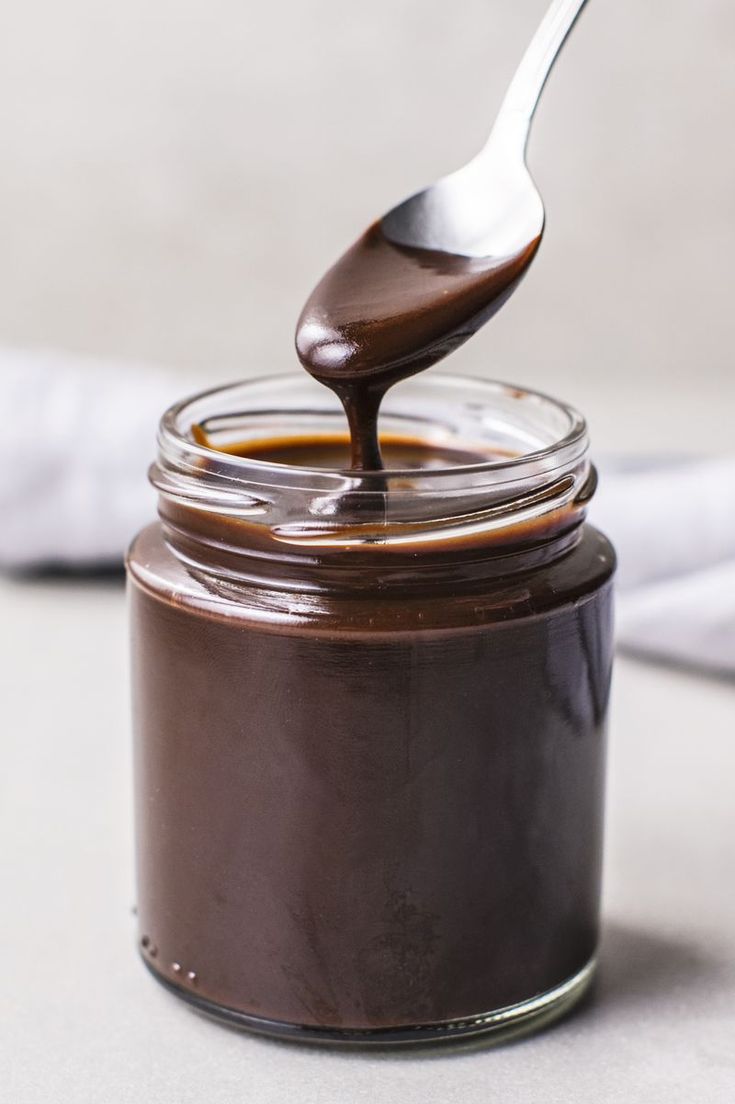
pixel 527 85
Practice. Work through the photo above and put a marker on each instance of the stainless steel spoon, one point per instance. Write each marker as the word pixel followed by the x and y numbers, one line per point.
pixel 491 207
pixel 433 270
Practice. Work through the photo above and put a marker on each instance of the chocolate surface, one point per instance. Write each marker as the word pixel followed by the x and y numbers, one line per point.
pixel 385 311
pixel 332 452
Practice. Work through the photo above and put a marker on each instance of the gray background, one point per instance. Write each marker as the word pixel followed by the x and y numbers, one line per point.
pixel 174 176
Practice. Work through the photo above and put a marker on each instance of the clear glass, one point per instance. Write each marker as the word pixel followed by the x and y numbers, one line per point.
pixel 534 487
pixel 543 441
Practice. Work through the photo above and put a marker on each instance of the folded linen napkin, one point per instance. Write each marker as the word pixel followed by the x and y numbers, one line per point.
pixel 78 436
pixel 75 446
pixel 672 522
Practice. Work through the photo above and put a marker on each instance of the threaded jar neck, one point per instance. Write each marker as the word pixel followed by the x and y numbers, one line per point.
pixel 519 503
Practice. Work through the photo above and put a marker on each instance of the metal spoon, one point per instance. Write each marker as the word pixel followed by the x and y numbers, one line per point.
pixel 491 207
pixel 433 270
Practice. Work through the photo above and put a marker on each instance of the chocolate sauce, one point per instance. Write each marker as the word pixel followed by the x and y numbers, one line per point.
pixel 367 804
pixel 387 311
pixel 369 771
pixel 332 452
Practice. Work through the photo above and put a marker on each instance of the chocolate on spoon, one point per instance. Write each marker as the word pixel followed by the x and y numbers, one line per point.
pixel 434 269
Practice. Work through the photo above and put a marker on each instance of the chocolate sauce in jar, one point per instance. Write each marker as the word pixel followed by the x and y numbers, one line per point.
pixel 370 760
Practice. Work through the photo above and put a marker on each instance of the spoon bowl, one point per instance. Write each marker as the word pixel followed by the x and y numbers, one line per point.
pixel 490 208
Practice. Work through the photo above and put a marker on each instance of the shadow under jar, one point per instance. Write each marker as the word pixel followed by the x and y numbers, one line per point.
pixel 369 712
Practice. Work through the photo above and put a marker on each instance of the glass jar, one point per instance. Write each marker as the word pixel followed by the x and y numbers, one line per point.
pixel 369 715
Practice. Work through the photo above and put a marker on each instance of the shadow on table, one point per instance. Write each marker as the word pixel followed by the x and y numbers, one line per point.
pixel 641 966
pixel 105 573
pixel 687 667
pixel 636 967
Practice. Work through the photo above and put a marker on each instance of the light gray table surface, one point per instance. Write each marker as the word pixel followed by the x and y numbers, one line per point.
pixel 83 1023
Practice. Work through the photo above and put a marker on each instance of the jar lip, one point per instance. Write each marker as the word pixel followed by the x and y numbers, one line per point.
pixel 171 433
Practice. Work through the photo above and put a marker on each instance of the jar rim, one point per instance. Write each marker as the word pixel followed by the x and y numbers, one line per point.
pixel 174 435
pixel 534 492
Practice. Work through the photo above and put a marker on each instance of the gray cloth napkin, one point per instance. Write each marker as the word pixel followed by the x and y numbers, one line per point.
pixel 672 521
pixel 77 440
pixel 78 437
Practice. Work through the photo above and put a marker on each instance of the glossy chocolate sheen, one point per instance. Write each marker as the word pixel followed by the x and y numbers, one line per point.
pixel 375 810
pixel 331 451
pixel 386 311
